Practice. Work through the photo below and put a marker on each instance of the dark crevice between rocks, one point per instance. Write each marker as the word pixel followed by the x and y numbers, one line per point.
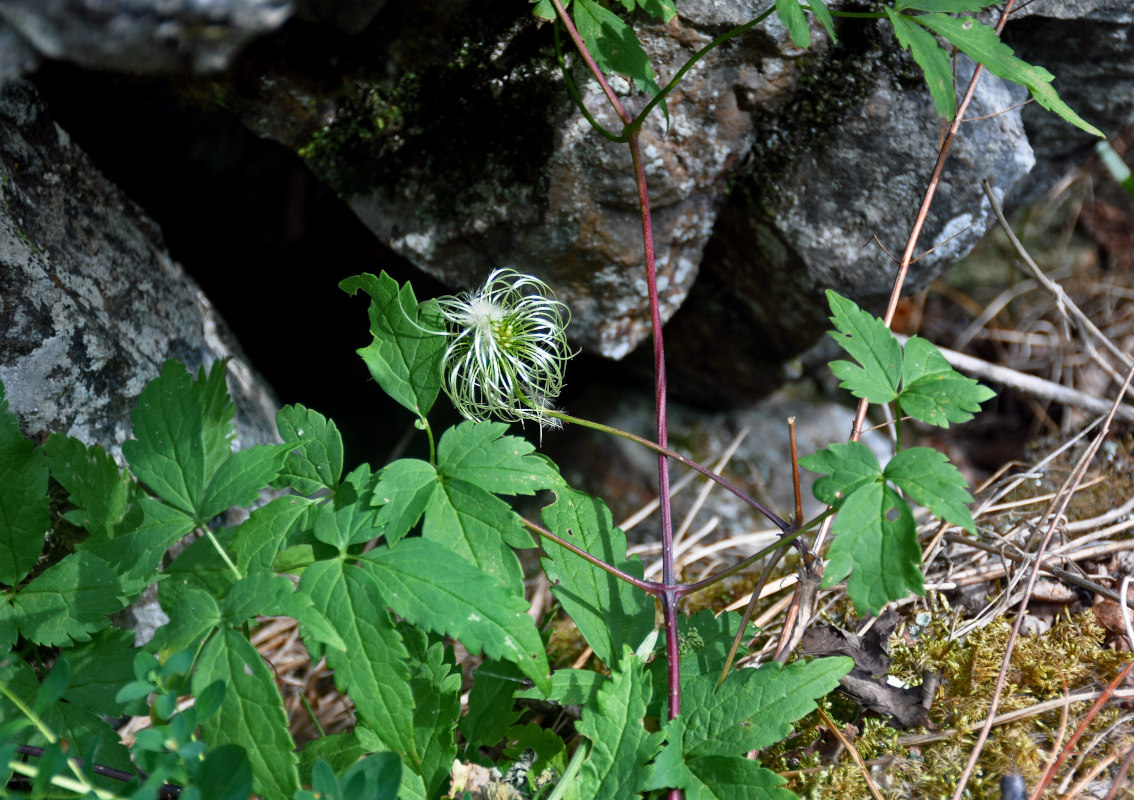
pixel 266 240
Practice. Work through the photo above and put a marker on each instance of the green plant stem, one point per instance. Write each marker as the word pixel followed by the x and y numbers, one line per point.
pixel 47 734
pixel 425 426
pixel 573 767
pixel 223 554
pixel 573 90
pixel 80 787
pixel 788 538
pixel 774 518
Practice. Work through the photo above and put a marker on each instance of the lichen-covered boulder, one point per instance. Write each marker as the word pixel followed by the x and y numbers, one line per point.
pixel 91 305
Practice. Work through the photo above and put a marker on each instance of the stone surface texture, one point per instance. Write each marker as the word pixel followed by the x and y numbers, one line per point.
pixel 91 305
pixel 136 35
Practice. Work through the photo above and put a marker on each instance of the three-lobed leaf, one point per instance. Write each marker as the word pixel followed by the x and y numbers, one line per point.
pixel 934 392
pixel 928 477
pixel 319 464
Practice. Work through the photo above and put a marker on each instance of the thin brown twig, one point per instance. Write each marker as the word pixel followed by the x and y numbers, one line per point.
pixel 854 754
pixel 1120 778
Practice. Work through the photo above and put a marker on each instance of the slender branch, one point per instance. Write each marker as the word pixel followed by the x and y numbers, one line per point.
pixel 581 46
pixel 573 90
pixel 644 585
pixel 772 517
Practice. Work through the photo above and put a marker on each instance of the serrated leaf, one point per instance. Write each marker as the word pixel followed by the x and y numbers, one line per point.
pixel 99 668
pixel 479 453
pixel 319 463
pixel 823 14
pixel 182 432
pixel 934 392
pixel 404 359
pixel 932 59
pixel 793 18
pixel 251 714
pixel 609 612
pixel 261 537
pixel 491 710
pixel 477 526
pixel 240 477
pixel 734 778
pixel 23 499
pixel 981 43
pixel 429 586
pixel 569 687
pixel 373 669
pixel 847 467
pixel 872 344
pixel 876 544
pixel 350 524
pixel 137 554
pixel 620 745
pixel 100 491
pixel 944 6
pixel 436 686
pixel 404 490
pixel 754 708
pixel 614 45
pixel 929 478
pixel 274 595
pixel 193 613
pixel 69 601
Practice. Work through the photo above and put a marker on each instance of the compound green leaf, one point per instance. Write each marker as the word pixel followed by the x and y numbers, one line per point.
pixel 69 601
pixel 478 527
pixel 240 477
pixel 932 59
pixel 620 746
pixel 404 358
pixel 182 432
pixel 793 18
pixel 871 343
pixel 848 466
pixel 404 490
pixel 251 714
pixel 932 391
pixel 428 585
pixel 614 46
pixel 876 545
pixel 929 478
pixel 981 43
pixel 23 499
pixel 99 490
pixel 193 614
pixel 754 708
pixel 372 669
pixel 609 612
pixel 319 463
pixel 479 453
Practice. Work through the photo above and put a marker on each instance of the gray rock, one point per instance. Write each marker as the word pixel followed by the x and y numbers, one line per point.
pixel 91 305
pixel 141 35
